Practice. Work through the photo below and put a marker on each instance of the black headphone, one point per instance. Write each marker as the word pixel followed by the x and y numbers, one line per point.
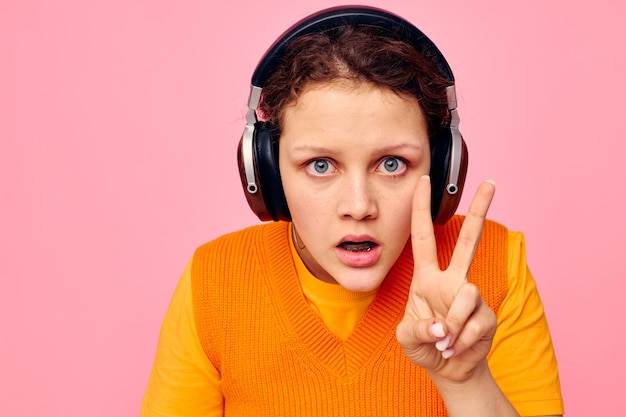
pixel 257 153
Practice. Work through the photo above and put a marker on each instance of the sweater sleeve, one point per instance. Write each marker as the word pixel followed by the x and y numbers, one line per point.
pixel 522 358
pixel 183 381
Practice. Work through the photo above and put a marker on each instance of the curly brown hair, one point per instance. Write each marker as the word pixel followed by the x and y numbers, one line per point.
pixel 360 54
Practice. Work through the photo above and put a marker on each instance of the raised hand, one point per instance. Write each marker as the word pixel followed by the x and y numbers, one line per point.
pixel 447 328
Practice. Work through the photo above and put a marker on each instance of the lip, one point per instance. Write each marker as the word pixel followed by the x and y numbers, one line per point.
pixel 360 259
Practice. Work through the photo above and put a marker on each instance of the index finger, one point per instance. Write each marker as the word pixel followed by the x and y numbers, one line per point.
pixel 472 228
pixel 422 231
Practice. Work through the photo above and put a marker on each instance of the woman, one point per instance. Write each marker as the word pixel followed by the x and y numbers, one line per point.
pixel 353 302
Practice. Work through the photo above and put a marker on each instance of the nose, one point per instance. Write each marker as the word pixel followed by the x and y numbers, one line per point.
pixel 358 200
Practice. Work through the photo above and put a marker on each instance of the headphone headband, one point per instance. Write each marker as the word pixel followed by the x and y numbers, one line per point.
pixel 333 17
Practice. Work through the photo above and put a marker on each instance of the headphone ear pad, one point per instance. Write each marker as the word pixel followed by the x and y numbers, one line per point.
pixel 443 203
pixel 266 157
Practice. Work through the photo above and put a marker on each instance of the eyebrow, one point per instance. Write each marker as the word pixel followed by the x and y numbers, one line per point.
pixel 384 149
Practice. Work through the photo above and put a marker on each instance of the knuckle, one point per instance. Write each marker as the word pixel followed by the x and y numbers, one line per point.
pixel 470 291
pixel 465 240
pixel 476 328
pixel 476 212
pixel 454 323
pixel 420 235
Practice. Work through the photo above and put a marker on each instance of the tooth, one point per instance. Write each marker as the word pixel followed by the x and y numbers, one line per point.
pixel 358 246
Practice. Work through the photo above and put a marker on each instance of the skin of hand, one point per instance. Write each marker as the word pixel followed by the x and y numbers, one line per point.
pixel 447 328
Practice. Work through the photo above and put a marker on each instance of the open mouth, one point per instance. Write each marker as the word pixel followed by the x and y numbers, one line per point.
pixel 365 246
pixel 359 251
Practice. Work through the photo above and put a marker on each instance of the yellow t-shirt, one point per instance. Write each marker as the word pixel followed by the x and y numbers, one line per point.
pixel 183 381
pixel 339 308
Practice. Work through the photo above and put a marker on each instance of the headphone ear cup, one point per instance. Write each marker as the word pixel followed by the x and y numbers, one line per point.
pixel 268 202
pixel 254 194
pixel 444 202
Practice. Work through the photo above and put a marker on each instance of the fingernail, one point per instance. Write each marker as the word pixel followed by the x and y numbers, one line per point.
pixel 442 345
pixel 425 177
pixel 492 182
pixel 447 353
pixel 436 329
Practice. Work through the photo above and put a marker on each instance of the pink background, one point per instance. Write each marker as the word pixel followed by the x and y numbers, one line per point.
pixel 118 127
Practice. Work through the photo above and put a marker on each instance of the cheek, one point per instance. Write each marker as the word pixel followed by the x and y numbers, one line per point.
pixel 400 224
pixel 302 207
pixel 397 213
pixel 307 208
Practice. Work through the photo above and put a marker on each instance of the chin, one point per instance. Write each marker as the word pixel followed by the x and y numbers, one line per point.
pixel 358 282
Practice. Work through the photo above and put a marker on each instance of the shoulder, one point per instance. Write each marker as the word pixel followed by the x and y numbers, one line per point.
pixel 243 239
pixel 250 252
pixel 454 225
pixel 495 235
pixel 495 239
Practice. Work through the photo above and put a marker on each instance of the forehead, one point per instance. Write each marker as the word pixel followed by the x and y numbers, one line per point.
pixel 346 111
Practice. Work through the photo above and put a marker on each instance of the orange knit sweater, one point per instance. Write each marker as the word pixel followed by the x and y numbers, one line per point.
pixel 275 355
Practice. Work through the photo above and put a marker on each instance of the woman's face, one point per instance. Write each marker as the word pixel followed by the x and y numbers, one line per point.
pixel 350 157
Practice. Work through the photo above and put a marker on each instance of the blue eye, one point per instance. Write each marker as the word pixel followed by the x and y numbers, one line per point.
pixel 319 166
pixel 392 165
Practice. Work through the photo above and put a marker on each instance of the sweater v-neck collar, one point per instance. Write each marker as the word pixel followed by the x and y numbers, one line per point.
pixel 310 336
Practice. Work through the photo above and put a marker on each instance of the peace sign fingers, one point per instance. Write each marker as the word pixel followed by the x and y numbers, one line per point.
pixel 443 300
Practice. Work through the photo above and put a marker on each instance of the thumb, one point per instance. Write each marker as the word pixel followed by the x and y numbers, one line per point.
pixel 412 333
